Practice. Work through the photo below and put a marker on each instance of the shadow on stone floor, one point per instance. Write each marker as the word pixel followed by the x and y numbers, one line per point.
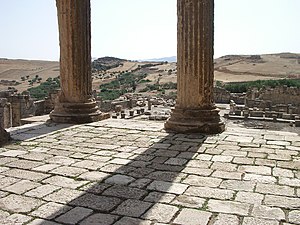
pixel 126 191
pixel 35 130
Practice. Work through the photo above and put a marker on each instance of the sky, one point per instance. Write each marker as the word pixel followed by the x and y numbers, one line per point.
pixel 145 29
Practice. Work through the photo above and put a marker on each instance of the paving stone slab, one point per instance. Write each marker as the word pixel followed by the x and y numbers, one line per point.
pixel 74 215
pixel 101 203
pixel 162 186
pixel 225 219
pixel 161 213
pixel 242 209
pixel 50 210
pixel 192 217
pixel 132 221
pixel 100 219
pixel 19 204
pixel 258 221
pixel 132 208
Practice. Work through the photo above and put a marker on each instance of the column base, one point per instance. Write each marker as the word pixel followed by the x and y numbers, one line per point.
pixel 195 121
pixel 77 113
pixel 4 136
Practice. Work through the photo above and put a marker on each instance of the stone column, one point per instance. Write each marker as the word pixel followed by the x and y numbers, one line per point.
pixel 195 110
pixel 75 102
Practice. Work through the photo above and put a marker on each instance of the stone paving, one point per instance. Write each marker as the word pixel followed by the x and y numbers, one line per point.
pixel 129 172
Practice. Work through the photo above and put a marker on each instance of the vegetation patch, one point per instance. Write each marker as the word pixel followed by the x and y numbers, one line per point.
pixel 42 91
pixel 244 86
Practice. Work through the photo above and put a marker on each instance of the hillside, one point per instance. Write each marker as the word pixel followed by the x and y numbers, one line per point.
pixel 230 68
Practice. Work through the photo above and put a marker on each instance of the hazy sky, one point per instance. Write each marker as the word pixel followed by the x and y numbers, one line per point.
pixel 142 29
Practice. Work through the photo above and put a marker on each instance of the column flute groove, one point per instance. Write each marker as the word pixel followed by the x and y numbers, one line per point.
pixel 75 102
pixel 195 110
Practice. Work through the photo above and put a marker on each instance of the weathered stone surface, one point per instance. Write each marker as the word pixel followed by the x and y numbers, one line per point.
pixel 206 192
pixel 75 102
pixel 192 217
pixel 133 208
pixel 195 111
pixel 161 213
pixel 249 197
pixel 21 204
pixel 266 212
pixel 4 136
pixel 100 219
pixel 21 187
pixel 228 207
pixel 294 216
pixel 132 221
pixel 282 201
pixel 101 203
pixel 258 221
pixel 174 188
pixel 74 215
pixel 224 219
pixel 125 192
pixel 50 210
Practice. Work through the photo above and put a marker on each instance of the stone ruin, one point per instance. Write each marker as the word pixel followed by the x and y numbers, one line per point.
pixel 221 95
pixel 14 107
pixel 131 106
pixel 279 104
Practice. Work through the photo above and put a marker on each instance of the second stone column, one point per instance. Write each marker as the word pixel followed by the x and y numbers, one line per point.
pixel 195 110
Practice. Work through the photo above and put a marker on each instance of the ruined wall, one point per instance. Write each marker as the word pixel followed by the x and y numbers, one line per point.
pixel 281 95
pixel 108 106
pixel 5 113
pixel 221 95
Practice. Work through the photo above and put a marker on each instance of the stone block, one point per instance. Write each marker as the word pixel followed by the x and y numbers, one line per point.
pixel 4 136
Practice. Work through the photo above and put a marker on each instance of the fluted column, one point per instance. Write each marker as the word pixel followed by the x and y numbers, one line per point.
pixel 195 110
pixel 75 102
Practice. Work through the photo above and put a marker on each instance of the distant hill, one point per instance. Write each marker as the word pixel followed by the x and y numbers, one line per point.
pixel 164 59
pixel 106 63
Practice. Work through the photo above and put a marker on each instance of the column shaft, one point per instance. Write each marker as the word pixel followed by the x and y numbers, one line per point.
pixel 75 102
pixel 195 110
